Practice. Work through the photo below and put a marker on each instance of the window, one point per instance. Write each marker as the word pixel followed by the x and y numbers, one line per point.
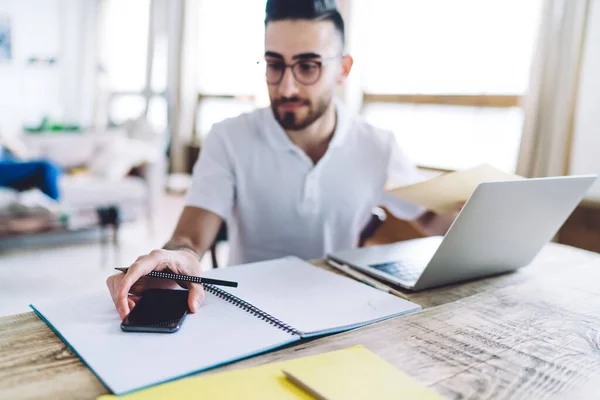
pixel 229 46
pixel 123 107
pixel 447 76
pixel 136 80
pixel 125 43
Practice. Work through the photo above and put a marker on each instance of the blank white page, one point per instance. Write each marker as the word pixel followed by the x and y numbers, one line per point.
pixel 311 299
pixel 220 332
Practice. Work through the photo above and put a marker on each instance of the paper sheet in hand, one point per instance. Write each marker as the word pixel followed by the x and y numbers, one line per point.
pixel 443 193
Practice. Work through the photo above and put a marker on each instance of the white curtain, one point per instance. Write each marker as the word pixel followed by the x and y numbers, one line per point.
pixel 550 104
pixel 184 83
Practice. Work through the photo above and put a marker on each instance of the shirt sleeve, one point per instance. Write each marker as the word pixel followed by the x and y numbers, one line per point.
pixel 401 171
pixel 213 178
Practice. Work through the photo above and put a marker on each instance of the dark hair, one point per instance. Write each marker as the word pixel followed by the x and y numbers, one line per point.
pixel 313 10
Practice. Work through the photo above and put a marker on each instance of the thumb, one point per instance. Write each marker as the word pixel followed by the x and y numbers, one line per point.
pixel 195 296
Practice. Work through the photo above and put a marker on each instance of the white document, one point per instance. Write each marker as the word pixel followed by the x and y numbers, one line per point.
pixel 307 299
pixel 310 299
pixel 443 193
pixel 125 361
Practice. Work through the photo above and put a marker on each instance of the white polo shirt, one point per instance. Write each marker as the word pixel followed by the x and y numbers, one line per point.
pixel 277 202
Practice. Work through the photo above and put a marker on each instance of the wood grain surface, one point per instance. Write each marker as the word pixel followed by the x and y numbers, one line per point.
pixel 531 334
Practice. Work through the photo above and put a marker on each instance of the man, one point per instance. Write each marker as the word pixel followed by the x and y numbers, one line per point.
pixel 298 178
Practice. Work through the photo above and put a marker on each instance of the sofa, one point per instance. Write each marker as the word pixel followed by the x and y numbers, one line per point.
pixel 100 170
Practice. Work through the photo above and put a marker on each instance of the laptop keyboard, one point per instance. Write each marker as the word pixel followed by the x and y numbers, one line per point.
pixel 403 270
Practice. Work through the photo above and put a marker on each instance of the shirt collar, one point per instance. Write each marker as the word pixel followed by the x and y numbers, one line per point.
pixel 279 139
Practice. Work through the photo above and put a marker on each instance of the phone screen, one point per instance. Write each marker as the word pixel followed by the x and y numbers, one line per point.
pixel 158 310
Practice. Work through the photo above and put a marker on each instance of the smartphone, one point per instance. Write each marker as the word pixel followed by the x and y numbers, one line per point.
pixel 158 310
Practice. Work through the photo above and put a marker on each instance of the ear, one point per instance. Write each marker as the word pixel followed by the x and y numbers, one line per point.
pixel 347 62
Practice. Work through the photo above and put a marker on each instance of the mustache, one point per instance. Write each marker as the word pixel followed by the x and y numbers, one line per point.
pixel 284 100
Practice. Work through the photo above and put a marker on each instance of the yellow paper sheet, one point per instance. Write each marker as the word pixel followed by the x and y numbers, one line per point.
pixel 354 374
pixel 346 367
pixel 264 382
pixel 443 193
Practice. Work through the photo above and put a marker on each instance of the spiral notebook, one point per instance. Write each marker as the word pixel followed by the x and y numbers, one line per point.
pixel 276 303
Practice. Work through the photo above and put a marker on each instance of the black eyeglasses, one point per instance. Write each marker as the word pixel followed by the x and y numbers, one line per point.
pixel 305 72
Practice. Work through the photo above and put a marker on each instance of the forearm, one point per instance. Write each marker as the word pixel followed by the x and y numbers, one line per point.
pixel 196 231
pixel 182 242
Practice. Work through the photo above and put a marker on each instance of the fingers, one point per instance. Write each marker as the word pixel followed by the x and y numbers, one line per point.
pixel 134 298
pixel 131 303
pixel 459 207
pixel 135 280
pixel 195 297
pixel 113 282
pixel 144 265
pixel 188 264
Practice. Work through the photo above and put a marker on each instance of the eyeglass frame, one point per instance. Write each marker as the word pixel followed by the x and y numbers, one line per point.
pixel 320 63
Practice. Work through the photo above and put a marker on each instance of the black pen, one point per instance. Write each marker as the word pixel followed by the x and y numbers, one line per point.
pixel 186 278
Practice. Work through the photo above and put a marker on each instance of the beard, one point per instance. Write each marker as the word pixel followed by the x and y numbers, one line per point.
pixel 288 119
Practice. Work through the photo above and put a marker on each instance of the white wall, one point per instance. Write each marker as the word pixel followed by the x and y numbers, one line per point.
pixel 79 59
pixel 29 91
pixel 63 91
pixel 585 157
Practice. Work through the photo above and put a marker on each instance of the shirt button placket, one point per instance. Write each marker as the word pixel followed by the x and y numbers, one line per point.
pixel 310 193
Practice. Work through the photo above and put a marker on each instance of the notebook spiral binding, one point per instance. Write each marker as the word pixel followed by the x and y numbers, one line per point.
pixel 250 308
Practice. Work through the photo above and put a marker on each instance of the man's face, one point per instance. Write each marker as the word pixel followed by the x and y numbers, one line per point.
pixel 315 48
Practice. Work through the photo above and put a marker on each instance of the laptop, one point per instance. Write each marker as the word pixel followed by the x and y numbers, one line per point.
pixel 501 228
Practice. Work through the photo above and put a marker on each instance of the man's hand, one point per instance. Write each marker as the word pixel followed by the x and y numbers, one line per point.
pixel 125 288
pixel 432 224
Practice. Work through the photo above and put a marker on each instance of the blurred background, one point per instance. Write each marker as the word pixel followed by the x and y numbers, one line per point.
pixel 119 94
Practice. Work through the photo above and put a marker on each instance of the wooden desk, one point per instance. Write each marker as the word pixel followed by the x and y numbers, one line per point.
pixel 525 335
